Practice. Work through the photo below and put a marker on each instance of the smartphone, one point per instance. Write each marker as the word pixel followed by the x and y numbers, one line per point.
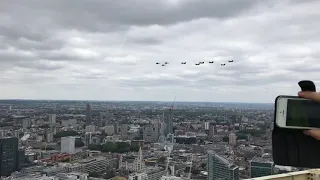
pixel 297 113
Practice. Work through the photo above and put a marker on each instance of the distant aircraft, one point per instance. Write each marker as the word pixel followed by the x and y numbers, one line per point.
pixel 157 63
pixel 201 62
pixel 163 65
pixel 210 62
pixel 197 64
pixel 223 64
pixel 183 62
pixel 166 63
pixel 231 61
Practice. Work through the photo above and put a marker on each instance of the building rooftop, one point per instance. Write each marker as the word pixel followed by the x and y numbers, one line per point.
pixel 261 160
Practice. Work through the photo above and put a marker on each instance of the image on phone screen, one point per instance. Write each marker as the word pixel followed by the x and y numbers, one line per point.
pixel 303 113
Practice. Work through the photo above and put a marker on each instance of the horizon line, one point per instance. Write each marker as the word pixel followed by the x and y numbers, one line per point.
pixel 136 101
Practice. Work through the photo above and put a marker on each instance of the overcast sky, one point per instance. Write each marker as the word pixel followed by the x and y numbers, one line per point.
pixel 108 49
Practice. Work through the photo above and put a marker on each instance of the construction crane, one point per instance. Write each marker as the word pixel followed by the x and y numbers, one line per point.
pixel 189 174
pixel 167 166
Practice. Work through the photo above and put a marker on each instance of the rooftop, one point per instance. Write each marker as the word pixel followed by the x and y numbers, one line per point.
pixel 261 160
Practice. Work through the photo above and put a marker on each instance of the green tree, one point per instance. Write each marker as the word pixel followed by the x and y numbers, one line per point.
pixel 242 136
pixel 135 148
pixel 65 134
pixel 225 139
pixel 44 126
pixel 94 174
pixel 79 143
pixel 94 147
pixel 162 159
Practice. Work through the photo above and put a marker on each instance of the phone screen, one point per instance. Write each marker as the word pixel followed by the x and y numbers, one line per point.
pixel 303 113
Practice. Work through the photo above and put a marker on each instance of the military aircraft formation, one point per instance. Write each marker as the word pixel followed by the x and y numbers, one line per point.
pixel 197 64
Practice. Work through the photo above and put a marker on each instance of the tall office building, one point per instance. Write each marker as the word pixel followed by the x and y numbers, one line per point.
pixel 211 131
pixel 232 139
pixel 261 167
pixel 9 159
pixel 150 133
pixel 89 114
pixel 104 119
pixel 88 138
pixel 116 128
pixel 124 131
pixel 169 122
pixel 68 144
pixel 206 125
pixel 52 119
pixel 49 136
pixel 26 123
pixel 221 168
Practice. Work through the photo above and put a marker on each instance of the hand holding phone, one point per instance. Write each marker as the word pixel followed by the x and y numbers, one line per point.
pixel 315 96
pixel 301 112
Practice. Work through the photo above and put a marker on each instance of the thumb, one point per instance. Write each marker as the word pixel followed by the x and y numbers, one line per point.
pixel 315 96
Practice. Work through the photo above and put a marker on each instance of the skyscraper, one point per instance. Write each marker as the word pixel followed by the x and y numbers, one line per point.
pixel 261 167
pixel 124 131
pixel 232 139
pixel 169 123
pixel 89 114
pixel 52 119
pixel 9 161
pixel 211 131
pixel 68 144
pixel 221 168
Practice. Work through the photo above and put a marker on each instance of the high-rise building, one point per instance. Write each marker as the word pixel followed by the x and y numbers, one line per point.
pixel 261 167
pixel 105 119
pixel 124 131
pixel 49 136
pixel 89 114
pixel 211 131
pixel 88 138
pixel 26 123
pixel 52 120
pixel 68 144
pixel 169 122
pixel 150 133
pixel 206 125
pixel 9 159
pixel 232 139
pixel 221 168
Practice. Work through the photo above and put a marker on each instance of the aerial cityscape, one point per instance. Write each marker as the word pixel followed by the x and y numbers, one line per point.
pixel 153 140
pixel 149 90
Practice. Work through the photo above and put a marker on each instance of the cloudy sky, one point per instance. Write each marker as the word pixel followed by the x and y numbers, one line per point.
pixel 107 49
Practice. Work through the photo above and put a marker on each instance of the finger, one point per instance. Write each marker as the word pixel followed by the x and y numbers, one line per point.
pixel 310 95
pixel 306 132
pixel 315 133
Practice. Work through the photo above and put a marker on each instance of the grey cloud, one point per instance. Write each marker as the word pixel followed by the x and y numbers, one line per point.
pixel 83 14
pixel 93 43
pixel 145 41
pixel 41 65
pixel 28 79
pixel 32 45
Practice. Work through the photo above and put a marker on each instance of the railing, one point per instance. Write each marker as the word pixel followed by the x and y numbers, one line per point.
pixel 313 174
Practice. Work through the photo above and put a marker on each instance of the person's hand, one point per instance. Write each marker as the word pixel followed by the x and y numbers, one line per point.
pixel 315 96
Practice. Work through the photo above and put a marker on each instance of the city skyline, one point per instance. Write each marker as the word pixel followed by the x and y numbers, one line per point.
pixel 101 50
